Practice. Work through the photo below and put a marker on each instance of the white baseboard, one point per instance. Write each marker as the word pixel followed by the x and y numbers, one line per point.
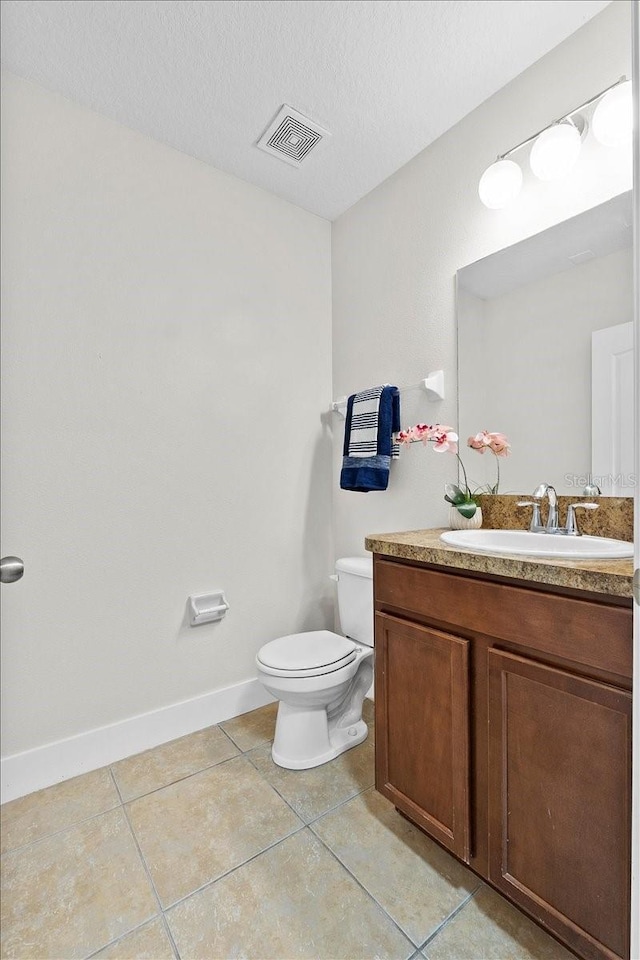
pixel 23 773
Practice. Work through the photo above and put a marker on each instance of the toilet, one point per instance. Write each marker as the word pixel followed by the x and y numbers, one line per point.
pixel 321 678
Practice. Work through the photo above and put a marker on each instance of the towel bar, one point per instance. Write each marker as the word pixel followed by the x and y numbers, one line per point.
pixel 433 385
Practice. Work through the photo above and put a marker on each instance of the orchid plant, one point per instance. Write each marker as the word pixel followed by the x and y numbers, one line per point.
pixel 445 440
pixel 499 446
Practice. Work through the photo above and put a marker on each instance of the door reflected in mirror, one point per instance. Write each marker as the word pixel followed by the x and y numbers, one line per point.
pixel 545 355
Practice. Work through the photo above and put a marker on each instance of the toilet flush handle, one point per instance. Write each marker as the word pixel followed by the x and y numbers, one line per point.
pixel 334 576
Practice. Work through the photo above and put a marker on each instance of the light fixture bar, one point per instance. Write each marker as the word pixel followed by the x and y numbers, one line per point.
pixel 557 146
pixel 587 103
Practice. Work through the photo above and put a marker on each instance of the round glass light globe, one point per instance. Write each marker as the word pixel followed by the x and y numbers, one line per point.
pixel 612 122
pixel 555 151
pixel 500 184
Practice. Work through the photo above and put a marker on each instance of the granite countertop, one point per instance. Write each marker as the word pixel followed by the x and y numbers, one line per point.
pixel 612 577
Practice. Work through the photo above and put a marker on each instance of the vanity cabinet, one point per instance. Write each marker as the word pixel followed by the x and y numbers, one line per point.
pixel 503 729
pixel 426 733
pixel 559 794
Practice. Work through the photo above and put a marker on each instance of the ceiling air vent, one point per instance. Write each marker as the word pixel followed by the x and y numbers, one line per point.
pixel 291 136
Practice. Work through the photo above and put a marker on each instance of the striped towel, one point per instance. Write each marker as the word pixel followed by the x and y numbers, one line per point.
pixel 373 416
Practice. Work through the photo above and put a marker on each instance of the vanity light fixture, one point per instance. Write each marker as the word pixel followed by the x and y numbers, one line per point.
pixel 612 122
pixel 556 147
pixel 500 184
pixel 556 150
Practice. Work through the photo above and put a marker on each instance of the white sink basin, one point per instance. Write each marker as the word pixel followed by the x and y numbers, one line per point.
pixel 522 542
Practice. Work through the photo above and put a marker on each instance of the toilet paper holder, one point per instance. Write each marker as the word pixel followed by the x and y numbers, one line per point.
pixel 207 608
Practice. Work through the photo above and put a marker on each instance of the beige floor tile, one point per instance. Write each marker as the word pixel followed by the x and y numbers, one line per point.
pixel 410 876
pixel 490 928
pixel 254 728
pixel 194 831
pixel 293 901
pixel 172 761
pixel 146 943
pixel 313 792
pixel 69 895
pixel 55 808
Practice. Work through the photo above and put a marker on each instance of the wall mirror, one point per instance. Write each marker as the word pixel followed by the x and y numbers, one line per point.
pixel 545 355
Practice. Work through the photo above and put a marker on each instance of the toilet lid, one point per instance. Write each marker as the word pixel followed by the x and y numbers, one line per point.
pixel 318 650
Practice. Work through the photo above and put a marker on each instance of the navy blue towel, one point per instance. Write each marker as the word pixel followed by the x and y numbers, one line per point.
pixel 373 416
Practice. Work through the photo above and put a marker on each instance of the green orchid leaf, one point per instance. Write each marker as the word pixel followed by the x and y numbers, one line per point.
pixel 454 494
pixel 466 509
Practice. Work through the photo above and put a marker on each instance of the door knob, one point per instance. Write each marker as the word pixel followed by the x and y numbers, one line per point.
pixel 11 569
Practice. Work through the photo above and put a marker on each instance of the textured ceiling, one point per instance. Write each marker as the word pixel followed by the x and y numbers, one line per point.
pixel 385 77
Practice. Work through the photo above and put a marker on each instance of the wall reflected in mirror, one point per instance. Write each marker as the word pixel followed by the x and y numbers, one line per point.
pixel 545 355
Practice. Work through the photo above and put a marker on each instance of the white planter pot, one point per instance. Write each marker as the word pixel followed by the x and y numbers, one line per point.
pixel 458 522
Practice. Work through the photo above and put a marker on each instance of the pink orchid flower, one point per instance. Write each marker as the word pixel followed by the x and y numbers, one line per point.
pixel 424 432
pixel 478 442
pixel 486 440
pixel 497 443
pixel 445 440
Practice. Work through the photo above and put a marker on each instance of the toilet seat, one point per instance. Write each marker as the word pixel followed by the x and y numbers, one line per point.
pixel 308 654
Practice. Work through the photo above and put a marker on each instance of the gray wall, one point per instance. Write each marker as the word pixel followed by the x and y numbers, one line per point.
pixel 396 252
pixel 166 364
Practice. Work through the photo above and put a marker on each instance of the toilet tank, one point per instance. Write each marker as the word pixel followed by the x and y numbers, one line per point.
pixel 355 598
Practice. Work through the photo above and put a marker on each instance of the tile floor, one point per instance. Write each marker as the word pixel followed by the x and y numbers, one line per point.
pixel 203 849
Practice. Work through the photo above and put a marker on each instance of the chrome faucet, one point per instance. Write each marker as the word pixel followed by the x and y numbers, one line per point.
pixel 536 523
pixel 546 490
pixel 572 529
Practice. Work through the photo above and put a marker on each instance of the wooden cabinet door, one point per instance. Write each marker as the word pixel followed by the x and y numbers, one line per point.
pixel 422 715
pixel 559 801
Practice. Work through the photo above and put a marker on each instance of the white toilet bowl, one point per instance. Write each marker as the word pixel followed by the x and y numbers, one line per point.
pixel 320 679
